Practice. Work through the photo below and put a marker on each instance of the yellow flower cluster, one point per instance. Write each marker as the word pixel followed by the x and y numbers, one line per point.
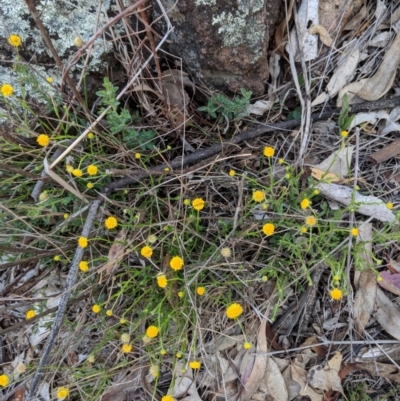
pixel 62 393
pixel 96 308
pixel 162 280
pixel 336 294
pixel 146 251
pixel 111 222
pixel 152 331
pixel 43 140
pixel 6 90
pixel 176 263
pixel 198 204
pixel 234 310
pixel 30 314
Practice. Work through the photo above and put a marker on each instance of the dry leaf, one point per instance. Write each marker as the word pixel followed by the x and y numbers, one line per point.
pixel 299 375
pixel 334 167
pixel 388 315
pixel 390 282
pixel 116 252
pixel 343 74
pixel 379 84
pixel 307 13
pixel 365 281
pixel 323 34
pixel 327 378
pixel 376 368
pixel 274 382
pixel 258 369
pixel 394 266
pixel 367 205
pixel 371 118
pixel 357 20
pixel 120 390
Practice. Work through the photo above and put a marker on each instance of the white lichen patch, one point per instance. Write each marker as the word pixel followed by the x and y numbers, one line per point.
pixel 206 2
pixel 241 27
pixel 63 20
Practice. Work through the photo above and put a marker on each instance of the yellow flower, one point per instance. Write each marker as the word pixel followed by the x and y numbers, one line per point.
pixel 43 140
pixel 49 80
pixel 66 215
pixel 62 393
pixel 152 239
pixel 195 364
pixel 109 312
pixel 69 168
pixel 122 321
pixel 89 185
pixel 231 173
pixel 30 314
pixel 264 278
pixel 125 338
pixel 146 251
pixel 186 202
pixel 234 310
pixel 225 252
pixel 14 40
pixel 167 398
pixel 303 230
pixel 354 231
pixel 305 203
pixel 6 90
pixel 111 222
pixel 389 205
pixel 336 278
pixel 162 280
pixel 92 169
pixel 281 161
pixel 258 196
pixel 287 176
pixel 138 156
pixel 90 135
pixel 268 229
pixel 181 294
pixel 179 355
pixel 311 221
pixel 247 345
pixel 336 294
pixel 200 291
pixel 83 242
pixel 176 263
pixel 344 134
pixel 83 266
pixel 4 380
pixel 163 352
pixel 126 348
pixel 91 358
pixel 78 42
pixel 269 151
pixel 166 169
pixel 198 204
pixel 57 258
pixel 152 331
pixel 96 308
pixel 379 279
pixel 316 192
pixel 154 370
pixel 77 172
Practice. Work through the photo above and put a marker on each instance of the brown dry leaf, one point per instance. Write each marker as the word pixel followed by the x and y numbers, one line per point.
pixel 328 378
pixel 299 375
pixel 365 281
pixel 335 14
pixel 394 266
pixel 258 369
pixel 119 391
pixel 380 83
pixel 357 20
pixel 116 252
pixel 323 175
pixel 387 314
pixel 367 205
pixel 19 394
pixel 390 282
pixel 323 34
pixel 280 32
pixel 376 368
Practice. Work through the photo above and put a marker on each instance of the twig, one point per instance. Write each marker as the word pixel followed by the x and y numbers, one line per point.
pixel 62 307
pixel 306 113
pixel 202 154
